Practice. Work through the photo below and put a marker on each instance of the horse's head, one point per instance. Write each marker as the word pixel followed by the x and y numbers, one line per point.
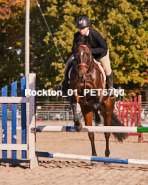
pixel 83 56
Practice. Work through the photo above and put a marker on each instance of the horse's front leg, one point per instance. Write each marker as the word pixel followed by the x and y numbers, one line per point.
pixel 73 103
pixel 95 107
pixel 88 115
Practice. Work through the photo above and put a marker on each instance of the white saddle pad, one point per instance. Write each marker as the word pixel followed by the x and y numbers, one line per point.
pixel 101 68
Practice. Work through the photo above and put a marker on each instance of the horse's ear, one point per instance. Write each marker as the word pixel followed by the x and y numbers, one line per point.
pixel 81 39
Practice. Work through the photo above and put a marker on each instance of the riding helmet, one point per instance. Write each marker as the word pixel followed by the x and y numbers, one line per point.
pixel 82 22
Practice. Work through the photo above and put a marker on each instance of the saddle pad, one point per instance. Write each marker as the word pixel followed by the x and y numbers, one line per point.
pixel 101 68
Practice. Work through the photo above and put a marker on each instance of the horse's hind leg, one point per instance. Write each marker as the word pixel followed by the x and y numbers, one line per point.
pixel 88 115
pixel 91 137
pixel 107 114
pixel 73 103
pixel 107 152
pixel 107 121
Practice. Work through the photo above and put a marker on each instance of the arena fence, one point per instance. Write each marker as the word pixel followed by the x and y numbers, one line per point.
pixel 129 113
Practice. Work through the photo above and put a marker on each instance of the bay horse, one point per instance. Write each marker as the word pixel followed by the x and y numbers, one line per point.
pixel 86 75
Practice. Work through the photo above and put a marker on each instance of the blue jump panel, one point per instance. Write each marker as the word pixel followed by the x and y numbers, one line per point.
pixel 23 116
pixel 4 122
pixel 13 117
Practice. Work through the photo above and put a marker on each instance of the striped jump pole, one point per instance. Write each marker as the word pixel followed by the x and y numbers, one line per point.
pixel 91 158
pixel 112 129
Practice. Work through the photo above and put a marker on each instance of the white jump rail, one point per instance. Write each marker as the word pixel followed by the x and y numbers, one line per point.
pixel 14 100
pixel 113 129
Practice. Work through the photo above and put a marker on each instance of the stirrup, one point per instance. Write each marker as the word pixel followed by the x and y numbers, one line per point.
pixel 58 87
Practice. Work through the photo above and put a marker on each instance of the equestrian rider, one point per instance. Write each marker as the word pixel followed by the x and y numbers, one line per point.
pixel 98 49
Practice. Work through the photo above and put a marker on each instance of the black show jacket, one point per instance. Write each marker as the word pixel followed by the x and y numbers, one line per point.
pixel 98 44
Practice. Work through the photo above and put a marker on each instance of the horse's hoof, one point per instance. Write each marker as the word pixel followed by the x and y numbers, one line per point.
pixel 107 152
pixel 99 121
pixel 96 106
pixel 94 154
pixel 78 126
pixel 106 163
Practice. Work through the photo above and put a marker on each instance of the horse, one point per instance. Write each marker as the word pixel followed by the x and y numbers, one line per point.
pixel 85 76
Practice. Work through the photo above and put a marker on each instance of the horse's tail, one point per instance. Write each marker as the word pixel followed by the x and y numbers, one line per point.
pixel 116 122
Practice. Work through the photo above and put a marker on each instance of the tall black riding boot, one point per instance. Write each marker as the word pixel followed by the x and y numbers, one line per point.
pixel 109 83
pixel 65 86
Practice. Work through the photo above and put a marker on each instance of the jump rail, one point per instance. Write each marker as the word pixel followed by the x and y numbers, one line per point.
pixel 91 158
pixel 113 129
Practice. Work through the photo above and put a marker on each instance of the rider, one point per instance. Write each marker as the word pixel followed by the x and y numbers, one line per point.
pixel 98 49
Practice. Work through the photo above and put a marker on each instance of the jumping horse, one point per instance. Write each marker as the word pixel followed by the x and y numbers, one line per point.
pixel 86 75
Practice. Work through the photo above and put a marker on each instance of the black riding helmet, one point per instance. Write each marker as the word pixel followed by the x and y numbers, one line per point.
pixel 82 22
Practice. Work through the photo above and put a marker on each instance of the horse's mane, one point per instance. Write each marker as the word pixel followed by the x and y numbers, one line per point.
pixel 84 40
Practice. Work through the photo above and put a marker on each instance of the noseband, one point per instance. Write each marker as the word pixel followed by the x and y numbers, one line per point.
pixel 84 46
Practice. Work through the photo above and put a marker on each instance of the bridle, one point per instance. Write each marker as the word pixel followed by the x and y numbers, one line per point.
pixel 84 64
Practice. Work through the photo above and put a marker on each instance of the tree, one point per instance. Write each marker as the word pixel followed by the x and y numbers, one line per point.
pixel 45 61
pixel 11 40
pixel 122 23
pixel 127 41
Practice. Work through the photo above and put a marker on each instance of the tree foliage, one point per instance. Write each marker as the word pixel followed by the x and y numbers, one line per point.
pixel 123 23
pixel 11 39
